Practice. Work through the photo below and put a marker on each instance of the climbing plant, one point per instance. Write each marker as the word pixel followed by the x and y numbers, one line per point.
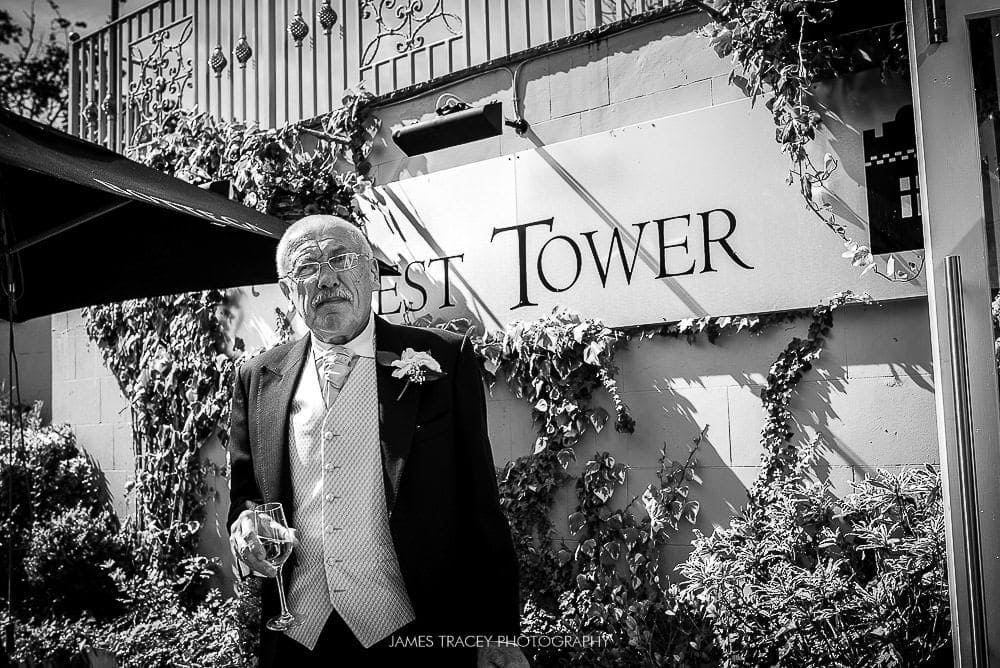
pixel 781 49
pixel 168 355
pixel 314 166
pixel 556 364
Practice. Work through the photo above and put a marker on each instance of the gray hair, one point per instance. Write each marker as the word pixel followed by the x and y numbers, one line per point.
pixel 309 224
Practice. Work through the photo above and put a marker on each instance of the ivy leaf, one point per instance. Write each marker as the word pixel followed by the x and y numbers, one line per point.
pixel 566 456
pixel 592 354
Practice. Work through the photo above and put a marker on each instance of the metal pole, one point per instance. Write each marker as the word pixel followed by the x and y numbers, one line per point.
pixel 965 441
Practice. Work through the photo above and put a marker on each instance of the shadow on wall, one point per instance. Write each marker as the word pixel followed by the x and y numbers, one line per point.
pixel 869 398
pixel 654 57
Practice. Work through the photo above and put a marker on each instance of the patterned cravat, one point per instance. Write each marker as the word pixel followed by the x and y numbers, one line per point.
pixel 334 366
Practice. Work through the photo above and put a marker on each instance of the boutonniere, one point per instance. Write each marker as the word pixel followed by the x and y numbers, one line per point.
pixel 415 367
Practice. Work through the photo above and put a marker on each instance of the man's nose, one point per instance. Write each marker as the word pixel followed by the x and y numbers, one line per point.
pixel 328 278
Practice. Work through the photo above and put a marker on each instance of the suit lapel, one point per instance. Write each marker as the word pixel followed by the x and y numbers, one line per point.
pixel 274 402
pixel 397 415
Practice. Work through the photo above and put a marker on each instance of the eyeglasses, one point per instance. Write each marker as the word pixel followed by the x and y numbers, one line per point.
pixel 305 271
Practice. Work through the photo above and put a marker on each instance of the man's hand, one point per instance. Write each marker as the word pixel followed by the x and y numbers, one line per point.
pixel 246 545
pixel 501 656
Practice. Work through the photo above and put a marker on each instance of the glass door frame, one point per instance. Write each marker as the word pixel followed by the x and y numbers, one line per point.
pixel 952 198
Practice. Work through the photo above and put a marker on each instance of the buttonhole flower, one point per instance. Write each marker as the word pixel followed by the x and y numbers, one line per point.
pixel 413 366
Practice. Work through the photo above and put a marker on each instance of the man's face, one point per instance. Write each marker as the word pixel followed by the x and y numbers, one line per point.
pixel 335 306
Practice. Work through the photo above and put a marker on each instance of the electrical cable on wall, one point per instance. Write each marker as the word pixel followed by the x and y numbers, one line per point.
pixel 10 285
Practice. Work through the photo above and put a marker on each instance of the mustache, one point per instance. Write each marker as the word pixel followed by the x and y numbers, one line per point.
pixel 321 297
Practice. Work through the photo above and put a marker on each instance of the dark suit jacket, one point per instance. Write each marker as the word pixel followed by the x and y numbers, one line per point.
pixel 453 542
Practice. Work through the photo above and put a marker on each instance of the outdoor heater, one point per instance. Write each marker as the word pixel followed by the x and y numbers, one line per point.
pixel 457 123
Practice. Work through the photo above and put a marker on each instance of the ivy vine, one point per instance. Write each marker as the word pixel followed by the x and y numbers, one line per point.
pixel 315 166
pixel 169 357
pixel 769 41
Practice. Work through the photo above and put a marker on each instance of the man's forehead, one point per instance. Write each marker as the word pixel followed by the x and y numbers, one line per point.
pixel 326 240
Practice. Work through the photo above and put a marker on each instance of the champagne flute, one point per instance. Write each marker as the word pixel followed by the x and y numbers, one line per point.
pixel 272 531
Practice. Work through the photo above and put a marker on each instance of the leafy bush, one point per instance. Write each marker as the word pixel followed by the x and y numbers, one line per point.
pixel 68 560
pixel 806 580
pixel 158 631
pixel 84 583
pixel 60 522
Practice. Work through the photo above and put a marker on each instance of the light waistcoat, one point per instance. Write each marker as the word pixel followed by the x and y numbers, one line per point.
pixel 346 560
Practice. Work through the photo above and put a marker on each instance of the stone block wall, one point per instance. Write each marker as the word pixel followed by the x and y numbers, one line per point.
pixel 86 396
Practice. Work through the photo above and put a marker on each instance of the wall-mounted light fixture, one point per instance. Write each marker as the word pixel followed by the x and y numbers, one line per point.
pixel 457 123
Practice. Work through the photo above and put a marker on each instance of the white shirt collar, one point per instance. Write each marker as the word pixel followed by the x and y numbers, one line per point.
pixel 362 345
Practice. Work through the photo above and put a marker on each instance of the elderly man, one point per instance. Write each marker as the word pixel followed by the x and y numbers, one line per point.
pixel 402 551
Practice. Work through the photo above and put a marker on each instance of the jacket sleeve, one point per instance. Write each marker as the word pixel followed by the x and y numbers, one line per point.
pixel 495 606
pixel 243 491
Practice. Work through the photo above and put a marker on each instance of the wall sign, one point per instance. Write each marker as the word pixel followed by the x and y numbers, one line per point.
pixel 680 217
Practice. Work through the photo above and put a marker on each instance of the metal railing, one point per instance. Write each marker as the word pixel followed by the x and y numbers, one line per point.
pixel 275 61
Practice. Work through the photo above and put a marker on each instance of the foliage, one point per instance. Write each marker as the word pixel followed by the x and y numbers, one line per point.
pixel 609 586
pixel 174 362
pixel 168 355
pixel 800 579
pixel 78 585
pixel 713 326
pixel 767 40
pixel 617 590
pixel 555 363
pixel 60 526
pixel 780 459
pixel 288 172
pixel 34 73
pixel 159 630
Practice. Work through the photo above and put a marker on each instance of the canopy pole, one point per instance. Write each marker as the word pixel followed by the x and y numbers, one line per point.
pixel 65 227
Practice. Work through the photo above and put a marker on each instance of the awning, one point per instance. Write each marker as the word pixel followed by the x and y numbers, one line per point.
pixel 85 225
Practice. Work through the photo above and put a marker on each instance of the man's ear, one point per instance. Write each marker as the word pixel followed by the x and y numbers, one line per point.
pixel 286 290
pixel 373 268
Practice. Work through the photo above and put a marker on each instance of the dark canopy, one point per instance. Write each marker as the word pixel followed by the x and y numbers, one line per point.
pixel 88 226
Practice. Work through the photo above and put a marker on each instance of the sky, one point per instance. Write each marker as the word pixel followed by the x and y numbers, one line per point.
pixel 94 12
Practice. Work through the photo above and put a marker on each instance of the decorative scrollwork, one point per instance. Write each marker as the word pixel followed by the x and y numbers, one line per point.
pixel 410 20
pixel 164 72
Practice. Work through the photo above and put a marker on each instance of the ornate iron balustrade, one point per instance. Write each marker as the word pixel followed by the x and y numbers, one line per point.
pixel 274 61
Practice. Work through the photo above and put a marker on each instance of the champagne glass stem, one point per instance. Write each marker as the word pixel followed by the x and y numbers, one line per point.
pixel 281 593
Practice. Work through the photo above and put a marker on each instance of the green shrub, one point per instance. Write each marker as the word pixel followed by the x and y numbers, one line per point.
pixel 60 524
pixel 805 579
pixel 81 580
pixel 158 630
pixel 68 562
